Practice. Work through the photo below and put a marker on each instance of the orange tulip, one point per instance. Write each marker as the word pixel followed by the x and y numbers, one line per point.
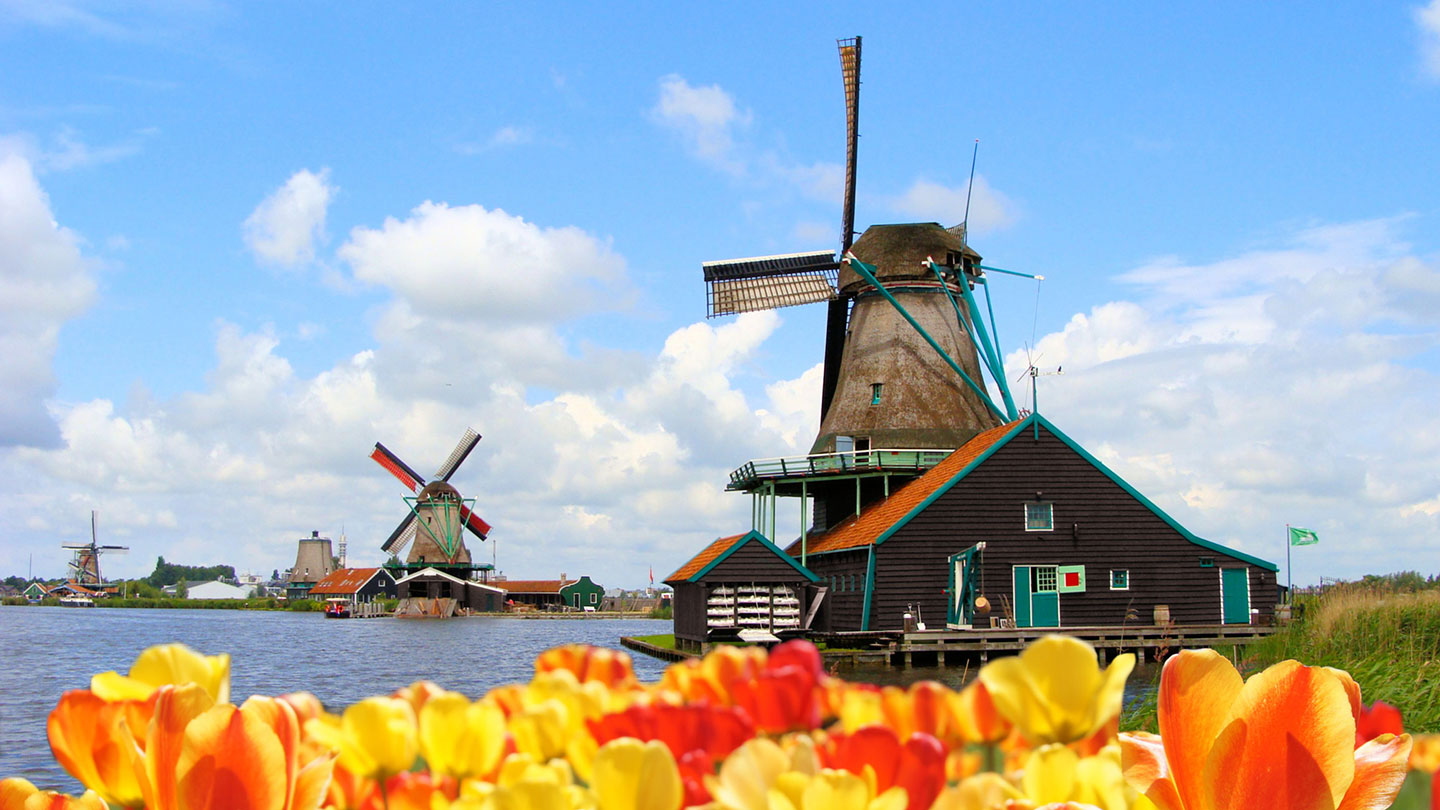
pixel 975 716
pixel 610 667
pixel 19 794
pixel 94 741
pixel 1284 738
pixel 418 694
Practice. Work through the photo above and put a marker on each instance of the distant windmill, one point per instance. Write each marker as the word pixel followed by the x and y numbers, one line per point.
pixel 438 518
pixel 906 340
pixel 85 565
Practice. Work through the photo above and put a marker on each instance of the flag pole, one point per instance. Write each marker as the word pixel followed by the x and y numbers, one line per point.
pixel 1289 578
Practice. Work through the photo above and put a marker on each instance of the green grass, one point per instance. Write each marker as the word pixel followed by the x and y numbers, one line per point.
pixel 1386 638
pixel 664 640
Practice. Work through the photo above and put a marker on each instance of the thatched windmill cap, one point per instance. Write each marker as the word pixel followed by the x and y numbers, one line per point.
pixel 898 251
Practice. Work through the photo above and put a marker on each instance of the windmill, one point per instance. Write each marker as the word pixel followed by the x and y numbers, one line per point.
pixel 905 342
pixel 438 518
pixel 85 564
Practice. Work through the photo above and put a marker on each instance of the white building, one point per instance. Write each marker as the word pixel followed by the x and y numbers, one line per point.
pixel 216 590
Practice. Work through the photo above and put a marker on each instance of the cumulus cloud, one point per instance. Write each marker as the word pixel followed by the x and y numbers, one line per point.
pixel 1427 17
pixel 44 282
pixel 705 117
pixel 472 263
pixel 285 226
pixel 1276 386
pixel 990 210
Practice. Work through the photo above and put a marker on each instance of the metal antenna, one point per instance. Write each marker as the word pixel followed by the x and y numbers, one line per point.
pixel 965 225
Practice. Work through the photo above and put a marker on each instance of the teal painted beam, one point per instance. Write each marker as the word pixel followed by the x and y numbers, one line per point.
pixel 996 369
pixel 975 328
pixel 1011 272
pixel 869 589
pixel 868 273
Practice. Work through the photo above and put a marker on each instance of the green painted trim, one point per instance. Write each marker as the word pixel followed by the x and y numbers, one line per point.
pixel 1160 513
pixel 869 590
pixel 1037 420
pixel 997 367
pixel 760 538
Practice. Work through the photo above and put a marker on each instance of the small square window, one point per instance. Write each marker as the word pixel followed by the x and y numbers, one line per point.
pixel 875 389
pixel 1039 517
pixel 1207 562
pixel 594 597
pixel 1120 580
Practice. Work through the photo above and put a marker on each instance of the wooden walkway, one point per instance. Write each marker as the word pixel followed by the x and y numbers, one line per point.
pixel 947 647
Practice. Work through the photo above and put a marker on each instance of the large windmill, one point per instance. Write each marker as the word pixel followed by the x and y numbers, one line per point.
pixel 434 528
pixel 85 562
pixel 905 344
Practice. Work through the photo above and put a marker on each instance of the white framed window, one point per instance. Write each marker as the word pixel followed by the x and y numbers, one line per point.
pixel 594 597
pixel 1119 579
pixel 1039 517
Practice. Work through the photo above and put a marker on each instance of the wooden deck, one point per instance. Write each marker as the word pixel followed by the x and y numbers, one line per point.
pixel 946 647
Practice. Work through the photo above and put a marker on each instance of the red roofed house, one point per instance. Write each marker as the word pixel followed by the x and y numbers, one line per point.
pixel 356 585
pixel 737 583
pixel 553 593
pixel 1051 537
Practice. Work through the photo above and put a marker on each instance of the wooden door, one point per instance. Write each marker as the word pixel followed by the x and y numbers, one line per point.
pixel 1045 596
pixel 1235 595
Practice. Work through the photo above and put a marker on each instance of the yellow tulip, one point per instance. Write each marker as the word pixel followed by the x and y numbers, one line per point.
pixel 459 738
pixel 167 664
pixel 980 792
pixel 631 775
pixel 19 794
pixel 1055 692
pixel 542 731
pixel 376 737
pixel 832 790
pixel 748 775
pixel 1054 773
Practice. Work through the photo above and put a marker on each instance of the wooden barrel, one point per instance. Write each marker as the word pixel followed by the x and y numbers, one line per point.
pixel 1162 614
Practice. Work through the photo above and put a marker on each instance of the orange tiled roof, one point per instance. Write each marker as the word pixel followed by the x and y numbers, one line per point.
pixel 704 558
pixel 346 580
pixel 861 530
pixel 534 585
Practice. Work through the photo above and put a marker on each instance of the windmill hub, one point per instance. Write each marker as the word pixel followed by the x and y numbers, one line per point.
pixel 439 491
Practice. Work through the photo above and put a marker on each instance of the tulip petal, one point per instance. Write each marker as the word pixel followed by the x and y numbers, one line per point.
pixel 631 775
pixel 980 792
pixel 1197 689
pixel 178 664
pixel 175 707
pixel 1142 756
pixel 1295 744
pixel 230 759
pixel 1380 766
pixel 1007 680
pixel 1065 671
pixel 14 791
pixel 1050 773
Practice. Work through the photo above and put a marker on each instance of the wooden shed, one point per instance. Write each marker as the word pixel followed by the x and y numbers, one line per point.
pixel 432 592
pixel 736 583
pixel 1025 517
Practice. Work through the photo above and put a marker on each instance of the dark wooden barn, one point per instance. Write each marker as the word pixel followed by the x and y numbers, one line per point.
pixel 1049 536
pixel 741 582
pixel 431 592
pixel 356 586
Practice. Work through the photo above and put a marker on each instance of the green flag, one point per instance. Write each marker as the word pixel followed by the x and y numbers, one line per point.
pixel 1303 537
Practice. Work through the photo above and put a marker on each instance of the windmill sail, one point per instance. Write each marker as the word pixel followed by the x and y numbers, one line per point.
pixel 837 316
pixel 769 282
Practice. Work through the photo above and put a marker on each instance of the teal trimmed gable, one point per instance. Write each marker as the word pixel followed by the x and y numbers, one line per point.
pixel 757 537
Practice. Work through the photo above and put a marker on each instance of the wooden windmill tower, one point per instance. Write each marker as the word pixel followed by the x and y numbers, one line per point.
pixel 85 562
pixel 905 345
pixel 434 529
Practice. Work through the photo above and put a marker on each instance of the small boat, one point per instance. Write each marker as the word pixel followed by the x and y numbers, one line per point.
pixel 337 608
pixel 76 601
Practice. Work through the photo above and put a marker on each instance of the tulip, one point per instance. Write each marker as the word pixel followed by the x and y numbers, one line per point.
pixel 167 664
pixel 376 738
pixel 19 794
pixel 1284 738
pixel 542 732
pixel 459 738
pixel 697 736
pixel 833 790
pixel 93 740
pixel 417 693
pixel 980 792
pixel 917 765
pixel 975 716
pixel 1376 719
pixel 612 668
pixel 412 791
pixel 634 775
pixel 747 776
pixel 175 708
pixel 1054 691
pixel 1055 773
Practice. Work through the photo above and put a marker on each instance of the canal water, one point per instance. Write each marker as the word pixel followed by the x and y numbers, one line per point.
pixel 46 651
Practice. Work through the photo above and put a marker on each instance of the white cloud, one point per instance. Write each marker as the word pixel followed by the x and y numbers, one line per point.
pixel 706 117
pixel 990 210
pixel 503 137
pixel 285 226
pixel 1428 19
pixel 1280 385
pixel 44 282
pixel 468 263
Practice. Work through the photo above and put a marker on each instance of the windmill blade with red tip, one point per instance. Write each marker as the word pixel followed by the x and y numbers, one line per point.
pixel 474 522
pixel 457 456
pixel 397 468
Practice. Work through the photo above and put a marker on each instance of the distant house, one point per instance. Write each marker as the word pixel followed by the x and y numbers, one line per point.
pixel 356 585
pixel 35 591
pixel 213 589
pixel 553 593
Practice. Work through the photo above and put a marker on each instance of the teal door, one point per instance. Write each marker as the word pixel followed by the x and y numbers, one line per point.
pixel 1235 595
pixel 1045 599
pixel 1022 596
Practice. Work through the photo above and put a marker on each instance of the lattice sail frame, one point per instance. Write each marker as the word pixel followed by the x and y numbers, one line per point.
pixel 753 284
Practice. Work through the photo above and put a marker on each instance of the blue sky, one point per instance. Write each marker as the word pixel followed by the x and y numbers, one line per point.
pixel 243 242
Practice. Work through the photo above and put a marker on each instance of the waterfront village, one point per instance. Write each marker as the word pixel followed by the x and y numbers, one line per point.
pixel 940 518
